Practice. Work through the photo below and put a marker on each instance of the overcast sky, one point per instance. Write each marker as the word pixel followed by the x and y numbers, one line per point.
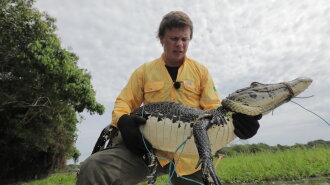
pixel 239 41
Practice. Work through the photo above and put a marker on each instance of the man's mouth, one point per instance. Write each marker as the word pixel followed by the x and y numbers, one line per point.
pixel 178 52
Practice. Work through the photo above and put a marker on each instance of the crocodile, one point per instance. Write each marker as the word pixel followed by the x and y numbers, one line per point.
pixel 170 124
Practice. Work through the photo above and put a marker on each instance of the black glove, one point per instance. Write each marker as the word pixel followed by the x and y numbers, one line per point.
pixel 130 132
pixel 246 126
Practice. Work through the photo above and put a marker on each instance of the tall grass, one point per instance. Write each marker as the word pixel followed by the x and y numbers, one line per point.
pixel 291 164
pixel 265 166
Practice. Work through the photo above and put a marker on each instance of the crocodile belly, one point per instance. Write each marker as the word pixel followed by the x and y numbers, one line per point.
pixel 168 136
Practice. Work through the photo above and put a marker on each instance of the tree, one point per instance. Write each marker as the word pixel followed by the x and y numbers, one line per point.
pixel 41 90
pixel 73 154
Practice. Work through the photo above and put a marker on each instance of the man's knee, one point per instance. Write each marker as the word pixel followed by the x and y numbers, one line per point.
pixel 90 162
pixel 113 166
pixel 95 170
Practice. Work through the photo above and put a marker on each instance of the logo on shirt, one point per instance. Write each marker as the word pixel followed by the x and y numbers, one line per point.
pixel 187 82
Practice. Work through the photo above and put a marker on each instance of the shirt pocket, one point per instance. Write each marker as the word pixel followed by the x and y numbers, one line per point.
pixel 191 87
pixel 191 93
pixel 154 91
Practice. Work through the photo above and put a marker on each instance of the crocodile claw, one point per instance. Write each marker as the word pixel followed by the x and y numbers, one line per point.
pixel 208 170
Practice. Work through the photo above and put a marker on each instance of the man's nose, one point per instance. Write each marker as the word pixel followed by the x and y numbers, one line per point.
pixel 179 42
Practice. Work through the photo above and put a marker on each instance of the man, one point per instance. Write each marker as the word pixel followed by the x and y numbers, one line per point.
pixel 173 78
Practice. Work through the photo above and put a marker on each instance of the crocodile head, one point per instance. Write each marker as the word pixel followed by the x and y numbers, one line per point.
pixel 262 98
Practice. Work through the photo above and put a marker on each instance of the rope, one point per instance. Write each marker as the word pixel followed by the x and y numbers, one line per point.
pixel 311 112
pixel 288 86
pixel 183 144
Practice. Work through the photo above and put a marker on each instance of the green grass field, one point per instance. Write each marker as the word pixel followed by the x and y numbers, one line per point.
pixel 292 164
pixel 55 179
pixel 288 165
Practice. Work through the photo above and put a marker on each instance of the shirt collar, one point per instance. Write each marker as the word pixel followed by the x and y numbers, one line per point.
pixel 163 61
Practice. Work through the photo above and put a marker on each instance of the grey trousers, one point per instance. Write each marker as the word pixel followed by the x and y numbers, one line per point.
pixel 118 166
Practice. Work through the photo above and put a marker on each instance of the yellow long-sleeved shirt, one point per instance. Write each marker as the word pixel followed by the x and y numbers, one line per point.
pixel 151 82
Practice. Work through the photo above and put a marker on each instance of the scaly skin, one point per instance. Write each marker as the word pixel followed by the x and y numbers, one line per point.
pixel 204 150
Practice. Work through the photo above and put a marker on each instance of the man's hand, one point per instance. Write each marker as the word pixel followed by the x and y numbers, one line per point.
pixel 246 126
pixel 129 129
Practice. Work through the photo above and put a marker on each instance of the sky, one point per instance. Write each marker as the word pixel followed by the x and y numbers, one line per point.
pixel 239 41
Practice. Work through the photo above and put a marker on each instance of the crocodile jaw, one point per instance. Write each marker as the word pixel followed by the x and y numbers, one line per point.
pixel 262 98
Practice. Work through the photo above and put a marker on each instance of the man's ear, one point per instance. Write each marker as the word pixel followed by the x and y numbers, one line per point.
pixel 161 40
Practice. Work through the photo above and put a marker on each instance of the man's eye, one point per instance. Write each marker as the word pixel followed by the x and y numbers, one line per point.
pixel 174 39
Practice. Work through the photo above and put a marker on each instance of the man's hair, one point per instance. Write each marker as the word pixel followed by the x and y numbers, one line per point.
pixel 175 19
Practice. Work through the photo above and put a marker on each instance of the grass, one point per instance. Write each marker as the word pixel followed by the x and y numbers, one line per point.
pixel 292 164
pixel 55 179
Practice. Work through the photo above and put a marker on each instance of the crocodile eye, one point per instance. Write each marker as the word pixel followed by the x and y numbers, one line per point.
pixel 254 84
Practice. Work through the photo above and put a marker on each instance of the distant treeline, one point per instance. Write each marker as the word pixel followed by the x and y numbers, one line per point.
pixel 261 147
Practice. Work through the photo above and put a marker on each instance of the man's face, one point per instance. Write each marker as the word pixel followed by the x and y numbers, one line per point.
pixel 175 43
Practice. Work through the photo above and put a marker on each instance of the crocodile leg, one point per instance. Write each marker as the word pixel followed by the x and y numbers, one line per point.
pixel 108 133
pixel 204 150
pixel 152 166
